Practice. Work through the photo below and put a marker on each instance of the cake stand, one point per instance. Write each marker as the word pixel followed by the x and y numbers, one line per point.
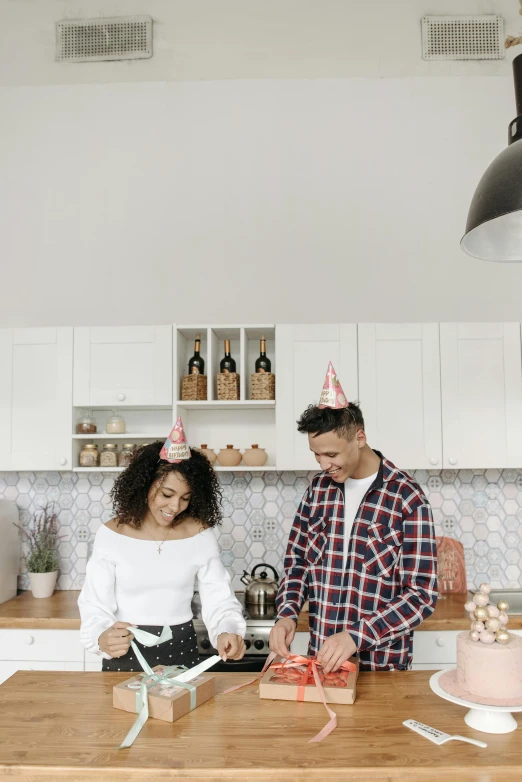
pixel 488 719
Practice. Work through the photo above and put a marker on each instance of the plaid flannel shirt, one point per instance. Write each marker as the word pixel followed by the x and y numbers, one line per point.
pixel 389 584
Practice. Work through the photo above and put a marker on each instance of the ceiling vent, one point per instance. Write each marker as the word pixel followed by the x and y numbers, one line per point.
pixel 94 40
pixel 463 37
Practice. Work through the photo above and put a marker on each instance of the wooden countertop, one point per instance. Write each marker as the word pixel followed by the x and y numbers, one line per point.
pixel 59 612
pixel 62 726
pixel 449 614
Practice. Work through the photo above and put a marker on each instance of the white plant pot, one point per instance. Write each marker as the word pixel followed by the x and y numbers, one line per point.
pixel 43 584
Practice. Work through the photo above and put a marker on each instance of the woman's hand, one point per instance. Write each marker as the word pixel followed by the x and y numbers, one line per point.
pixel 230 646
pixel 116 640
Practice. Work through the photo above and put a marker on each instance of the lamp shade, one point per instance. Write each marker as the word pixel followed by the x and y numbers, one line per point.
pixel 494 225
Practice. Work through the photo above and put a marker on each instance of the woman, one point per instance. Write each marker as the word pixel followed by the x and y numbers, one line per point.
pixel 145 560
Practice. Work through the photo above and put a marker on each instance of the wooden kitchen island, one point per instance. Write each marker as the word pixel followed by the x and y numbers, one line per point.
pixel 62 726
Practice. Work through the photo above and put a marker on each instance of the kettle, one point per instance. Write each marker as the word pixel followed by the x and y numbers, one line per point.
pixel 260 590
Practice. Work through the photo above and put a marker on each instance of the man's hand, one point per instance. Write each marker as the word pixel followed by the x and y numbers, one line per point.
pixel 230 646
pixel 115 641
pixel 281 636
pixel 335 651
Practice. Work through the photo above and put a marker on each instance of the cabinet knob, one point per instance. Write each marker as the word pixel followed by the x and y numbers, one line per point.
pixel 434 460
pixel 121 397
pixel 29 640
pixel 441 641
pixel 453 460
pixel 63 461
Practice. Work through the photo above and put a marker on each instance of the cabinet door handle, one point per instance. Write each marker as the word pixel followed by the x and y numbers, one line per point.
pixel 29 640
pixel 453 460
pixel 121 397
pixel 441 641
pixel 434 460
pixel 63 461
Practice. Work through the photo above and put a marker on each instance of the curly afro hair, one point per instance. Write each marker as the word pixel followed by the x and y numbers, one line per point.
pixel 131 488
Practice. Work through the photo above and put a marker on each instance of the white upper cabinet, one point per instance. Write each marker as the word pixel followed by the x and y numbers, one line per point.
pixel 399 391
pixel 481 394
pixel 302 354
pixel 36 398
pixel 123 366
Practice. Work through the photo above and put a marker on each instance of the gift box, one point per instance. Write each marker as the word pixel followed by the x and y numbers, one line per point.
pixel 294 680
pixel 166 700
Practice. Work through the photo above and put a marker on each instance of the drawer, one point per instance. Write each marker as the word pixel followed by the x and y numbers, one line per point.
pixel 93 658
pixel 431 647
pixel 94 666
pixel 59 645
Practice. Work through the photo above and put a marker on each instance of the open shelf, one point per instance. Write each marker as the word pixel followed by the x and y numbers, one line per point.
pixel 97 469
pixel 217 468
pixel 245 468
pixel 128 436
pixel 247 404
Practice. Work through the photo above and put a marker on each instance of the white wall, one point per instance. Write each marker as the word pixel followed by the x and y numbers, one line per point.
pixel 287 200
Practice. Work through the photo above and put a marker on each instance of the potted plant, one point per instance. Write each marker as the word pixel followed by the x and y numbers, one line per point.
pixel 42 559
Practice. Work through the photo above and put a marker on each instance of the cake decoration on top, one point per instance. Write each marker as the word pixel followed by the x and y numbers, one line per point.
pixel 488 622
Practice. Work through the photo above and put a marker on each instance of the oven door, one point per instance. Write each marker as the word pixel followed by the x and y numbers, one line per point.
pixel 251 663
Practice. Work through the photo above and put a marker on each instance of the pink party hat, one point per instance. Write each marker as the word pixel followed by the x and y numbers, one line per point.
pixel 332 394
pixel 175 449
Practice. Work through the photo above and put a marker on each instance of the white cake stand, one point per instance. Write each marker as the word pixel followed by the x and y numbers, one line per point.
pixel 488 719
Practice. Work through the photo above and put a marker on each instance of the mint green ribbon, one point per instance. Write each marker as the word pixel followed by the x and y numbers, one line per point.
pixel 150 679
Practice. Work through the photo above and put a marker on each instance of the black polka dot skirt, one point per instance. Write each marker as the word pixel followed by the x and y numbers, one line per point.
pixel 181 650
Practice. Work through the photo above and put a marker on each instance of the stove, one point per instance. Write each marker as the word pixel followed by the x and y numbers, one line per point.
pixel 259 622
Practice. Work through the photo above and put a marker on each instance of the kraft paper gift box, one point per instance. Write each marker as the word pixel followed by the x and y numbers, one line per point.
pixel 167 701
pixel 294 681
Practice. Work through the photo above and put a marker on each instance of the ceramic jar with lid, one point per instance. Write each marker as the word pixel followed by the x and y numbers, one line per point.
pixel 229 456
pixel 89 456
pixel 86 424
pixel 209 453
pixel 255 456
pixel 126 454
pixel 109 455
pixel 115 424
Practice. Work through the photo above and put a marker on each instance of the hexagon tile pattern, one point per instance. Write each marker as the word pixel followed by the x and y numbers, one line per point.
pixel 481 508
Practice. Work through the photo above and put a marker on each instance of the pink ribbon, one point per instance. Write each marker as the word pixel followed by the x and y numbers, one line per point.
pixel 310 668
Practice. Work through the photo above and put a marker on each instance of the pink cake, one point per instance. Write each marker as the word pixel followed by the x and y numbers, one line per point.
pixel 490 670
pixel 489 658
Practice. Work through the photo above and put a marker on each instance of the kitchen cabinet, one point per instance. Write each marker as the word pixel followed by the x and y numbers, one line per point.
pixel 303 353
pixel 40 650
pixel 481 381
pixel 438 650
pixel 399 391
pixel 36 398
pixel 126 366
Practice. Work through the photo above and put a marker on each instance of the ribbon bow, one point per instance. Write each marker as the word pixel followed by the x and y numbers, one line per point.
pixel 173 675
pixel 308 667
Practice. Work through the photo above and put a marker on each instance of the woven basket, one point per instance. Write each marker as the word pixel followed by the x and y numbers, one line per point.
pixel 194 388
pixel 228 386
pixel 263 385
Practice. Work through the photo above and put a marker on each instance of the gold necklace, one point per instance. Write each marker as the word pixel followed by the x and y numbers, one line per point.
pixel 159 544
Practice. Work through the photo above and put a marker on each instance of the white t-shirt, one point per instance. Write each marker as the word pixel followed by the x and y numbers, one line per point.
pixel 127 580
pixel 354 491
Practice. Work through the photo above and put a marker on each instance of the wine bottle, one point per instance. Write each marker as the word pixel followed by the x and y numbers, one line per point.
pixel 227 364
pixel 196 364
pixel 263 364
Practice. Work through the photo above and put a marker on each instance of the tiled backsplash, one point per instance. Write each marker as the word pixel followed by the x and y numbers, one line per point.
pixel 481 508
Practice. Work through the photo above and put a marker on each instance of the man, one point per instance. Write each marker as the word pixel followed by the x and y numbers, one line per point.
pixel 362 548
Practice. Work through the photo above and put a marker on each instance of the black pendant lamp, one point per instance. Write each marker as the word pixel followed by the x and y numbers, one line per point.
pixel 494 226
